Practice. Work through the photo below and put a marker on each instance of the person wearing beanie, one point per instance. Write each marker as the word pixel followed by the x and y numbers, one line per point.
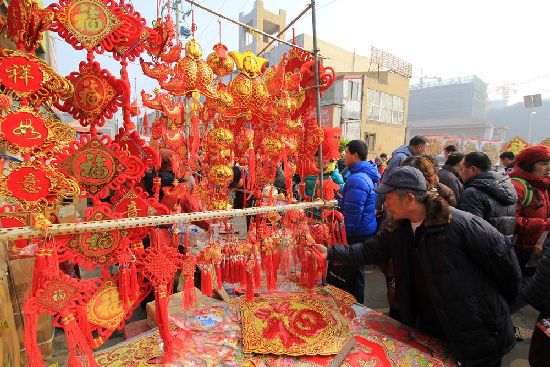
pixel 531 179
pixel 455 274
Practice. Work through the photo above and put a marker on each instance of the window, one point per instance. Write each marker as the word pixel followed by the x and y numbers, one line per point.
pixel 383 107
pixel 248 38
pixel 352 90
pixel 370 140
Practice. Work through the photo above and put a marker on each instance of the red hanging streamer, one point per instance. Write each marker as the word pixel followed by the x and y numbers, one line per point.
pixel 161 315
pixel 80 352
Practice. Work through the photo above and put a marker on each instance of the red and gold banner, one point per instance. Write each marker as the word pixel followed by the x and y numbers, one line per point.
pixel 293 325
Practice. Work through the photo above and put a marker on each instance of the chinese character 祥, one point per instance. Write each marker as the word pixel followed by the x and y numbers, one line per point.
pixel 20 72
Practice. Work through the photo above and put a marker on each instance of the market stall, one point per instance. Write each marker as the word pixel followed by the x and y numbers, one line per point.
pixel 140 210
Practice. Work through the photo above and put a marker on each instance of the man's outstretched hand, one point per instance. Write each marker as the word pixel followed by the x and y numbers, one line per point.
pixel 321 249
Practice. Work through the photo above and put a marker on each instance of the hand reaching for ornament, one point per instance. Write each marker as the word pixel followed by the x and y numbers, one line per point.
pixel 321 250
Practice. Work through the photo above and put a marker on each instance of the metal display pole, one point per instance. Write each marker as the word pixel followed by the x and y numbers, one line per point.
pixel 16 233
pixel 285 29
pixel 317 93
pixel 246 26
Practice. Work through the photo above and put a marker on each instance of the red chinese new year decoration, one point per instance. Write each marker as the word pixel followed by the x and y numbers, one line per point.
pixel 97 94
pixel 27 131
pixel 292 325
pixel 98 164
pixel 88 24
pixel 36 187
pixel 24 76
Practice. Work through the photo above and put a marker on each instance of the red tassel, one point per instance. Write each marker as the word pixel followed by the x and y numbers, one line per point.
pixel 31 345
pixel 271 282
pixel 156 187
pixel 84 325
pixel 134 282
pixel 242 273
pixel 251 181
pixel 80 352
pixel 39 267
pixel 344 234
pixel 161 315
pixel 185 242
pixel 257 273
pixel 218 276
pixel 275 266
pixel 206 282
pixel 189 295
pixel 124 287
pixel 249 280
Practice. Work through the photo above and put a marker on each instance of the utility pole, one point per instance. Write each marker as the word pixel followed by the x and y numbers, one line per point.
pixel 317 93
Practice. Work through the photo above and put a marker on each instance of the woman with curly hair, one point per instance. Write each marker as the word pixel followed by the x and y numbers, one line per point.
pixel 426 166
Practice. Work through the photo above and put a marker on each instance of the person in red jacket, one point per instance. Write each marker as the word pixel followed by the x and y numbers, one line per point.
pixel 531 179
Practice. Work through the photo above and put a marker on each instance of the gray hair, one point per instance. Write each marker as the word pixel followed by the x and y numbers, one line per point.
pixel 420 196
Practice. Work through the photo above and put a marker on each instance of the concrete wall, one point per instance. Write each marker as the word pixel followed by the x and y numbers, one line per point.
pixel 264 20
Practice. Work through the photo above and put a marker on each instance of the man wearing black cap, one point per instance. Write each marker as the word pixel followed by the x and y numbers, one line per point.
pixel 455 274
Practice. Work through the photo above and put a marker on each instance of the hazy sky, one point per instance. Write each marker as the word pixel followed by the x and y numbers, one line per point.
pixel 497 40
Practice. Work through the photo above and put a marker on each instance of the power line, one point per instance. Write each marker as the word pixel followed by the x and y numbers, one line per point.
pixel 211 20
pixel 227 23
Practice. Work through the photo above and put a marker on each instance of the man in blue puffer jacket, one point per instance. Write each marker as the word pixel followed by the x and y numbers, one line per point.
pixel 359 198
pixel 358 207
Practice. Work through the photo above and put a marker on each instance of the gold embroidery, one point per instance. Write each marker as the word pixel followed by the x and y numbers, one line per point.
pixel 24 127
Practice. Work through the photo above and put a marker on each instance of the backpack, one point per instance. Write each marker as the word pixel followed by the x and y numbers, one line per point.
pixel 529 191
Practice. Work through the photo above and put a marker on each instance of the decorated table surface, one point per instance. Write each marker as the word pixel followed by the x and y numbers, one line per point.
pixel 284 330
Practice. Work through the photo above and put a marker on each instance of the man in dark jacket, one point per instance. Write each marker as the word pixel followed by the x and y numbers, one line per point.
pixel 488 195
pixel 358 205
pixel 449 174
pixel 417 146
pixel 537 294
pixel 508 161
pixel 455 274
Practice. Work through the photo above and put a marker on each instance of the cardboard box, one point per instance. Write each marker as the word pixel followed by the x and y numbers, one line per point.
pixel 135 328
pixel 21 273
pixel 175 306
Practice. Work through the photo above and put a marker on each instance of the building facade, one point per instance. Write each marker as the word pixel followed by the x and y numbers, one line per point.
pixel 452 107
pixel 262 19
pixel 367 105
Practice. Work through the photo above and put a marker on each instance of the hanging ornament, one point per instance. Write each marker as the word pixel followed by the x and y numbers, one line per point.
pixel 36 186
pixel 159 264
pixel 23 76
pixel 219 61
pixel 98 164
pixel 220 174
pixel 134 31
pixel 218 139
pixel 60 296
pixel 90 250
pixel 88 24
pixel 134 202
pixel 97 95
pixel 26 24
pixel 27 131
pixel 173 54
pixel 247 88
pixel 191 74
pixel 133 143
